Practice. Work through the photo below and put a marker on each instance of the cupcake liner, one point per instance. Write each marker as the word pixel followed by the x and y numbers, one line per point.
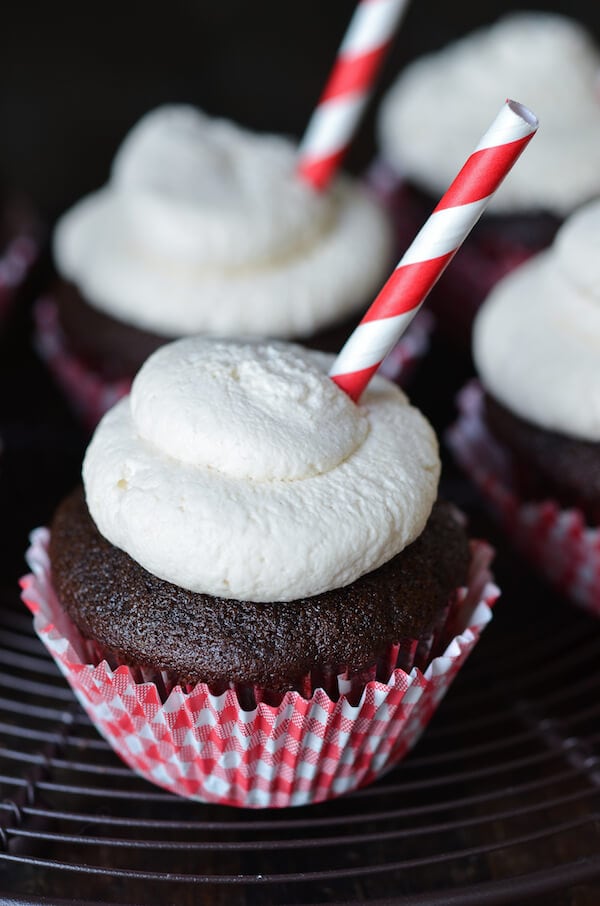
pixel 206 746
pixel 91 395
pixel 482 261
pixel 16 261
pixel 558 542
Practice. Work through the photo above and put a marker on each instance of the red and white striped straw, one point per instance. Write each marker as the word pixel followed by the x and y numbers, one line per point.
pixel 433 248
pixel 334 121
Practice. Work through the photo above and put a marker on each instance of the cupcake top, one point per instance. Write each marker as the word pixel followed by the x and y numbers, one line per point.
pixel 537 336
pixel 205 227
pixel 441 104
pixel 241 470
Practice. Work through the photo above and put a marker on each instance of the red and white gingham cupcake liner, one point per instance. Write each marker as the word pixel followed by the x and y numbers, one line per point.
pixel 16 261
pixel 558 542
pixel 91 395
pixel 206 747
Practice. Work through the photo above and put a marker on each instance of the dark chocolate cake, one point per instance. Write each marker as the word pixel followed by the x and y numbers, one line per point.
pixel 549 464
pixel 149 622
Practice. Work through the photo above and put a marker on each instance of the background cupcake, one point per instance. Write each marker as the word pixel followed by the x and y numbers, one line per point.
pixel 532 440
pixel 206 228
pixel 548 61
pixel 302 568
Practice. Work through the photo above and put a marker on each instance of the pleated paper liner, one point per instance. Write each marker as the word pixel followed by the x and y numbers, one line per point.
pixel 559 543
pixel 91 395
pixel 213 746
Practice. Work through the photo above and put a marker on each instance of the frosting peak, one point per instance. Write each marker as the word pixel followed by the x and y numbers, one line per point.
pixel 206 188
pixel 441 104
pixel 241 470
pixel 262 411
pixel 171 151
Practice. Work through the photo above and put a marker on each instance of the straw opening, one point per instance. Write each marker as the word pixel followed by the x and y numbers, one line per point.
pixel 524 112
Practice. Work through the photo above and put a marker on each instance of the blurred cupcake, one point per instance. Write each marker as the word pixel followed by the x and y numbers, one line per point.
pixel 258 601
pixel 436 112
pixel 204 227
pixel 531 437
pixel 19 247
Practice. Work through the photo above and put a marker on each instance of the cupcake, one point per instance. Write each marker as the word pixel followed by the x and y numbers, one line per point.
pixel 204 228
pixel 256 597
pixel 552 64
pixel 530 436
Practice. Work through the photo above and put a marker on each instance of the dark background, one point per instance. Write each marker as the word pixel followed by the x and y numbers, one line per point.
pixel 74 77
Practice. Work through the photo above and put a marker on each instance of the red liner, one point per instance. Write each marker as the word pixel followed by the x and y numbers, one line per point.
pixel 558 542
pixel 16 261
pixel 471 275
pixel 91 395
pixel 205 746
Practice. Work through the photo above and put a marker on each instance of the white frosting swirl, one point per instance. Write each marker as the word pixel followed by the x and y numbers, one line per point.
pixel 204 227
pixel 241 470
pixel 537 336
pixel 441 104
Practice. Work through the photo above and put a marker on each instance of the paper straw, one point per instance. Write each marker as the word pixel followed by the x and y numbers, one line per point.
pixel 348 90
pixel 433 248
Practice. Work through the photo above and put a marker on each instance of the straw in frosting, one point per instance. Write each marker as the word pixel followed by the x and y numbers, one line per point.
pixel 433 248
pixel 340 108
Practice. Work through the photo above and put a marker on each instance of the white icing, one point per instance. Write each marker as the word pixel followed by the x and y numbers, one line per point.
pixel 245 410
pixel 241 470
pixel 440 106
pixel 537 336
pixel 577 250
pixel 205 227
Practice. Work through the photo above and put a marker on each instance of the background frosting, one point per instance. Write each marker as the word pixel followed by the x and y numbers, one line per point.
pixel 206 192
pixel 205 227
pixel 286 491
pixel 440 106
pixel 537 336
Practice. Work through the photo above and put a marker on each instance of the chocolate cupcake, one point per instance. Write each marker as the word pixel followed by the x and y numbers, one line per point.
pixel 552 64
pixel 206 228
pixel 151 623
pixel 250 536
pixel 537 350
